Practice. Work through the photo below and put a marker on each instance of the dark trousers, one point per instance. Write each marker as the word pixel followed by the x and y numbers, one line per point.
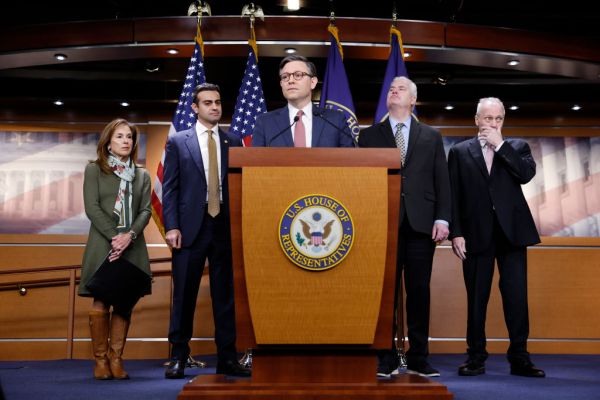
pixel 415 260
pixel 478 271
pixel 213 242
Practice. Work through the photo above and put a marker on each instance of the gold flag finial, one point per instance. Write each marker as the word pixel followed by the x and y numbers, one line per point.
pixel 252 11
pixel 198 8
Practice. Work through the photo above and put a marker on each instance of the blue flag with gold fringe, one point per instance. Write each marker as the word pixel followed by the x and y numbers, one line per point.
pixel 395 67
pixel 336 91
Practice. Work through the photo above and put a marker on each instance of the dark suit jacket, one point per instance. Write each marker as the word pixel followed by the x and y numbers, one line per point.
pixel 184 182
pixel 477 195
pixel 425 184
pixel 273 129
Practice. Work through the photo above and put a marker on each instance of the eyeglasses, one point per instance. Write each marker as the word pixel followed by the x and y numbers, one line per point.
pixel 489 119
pixel 298 75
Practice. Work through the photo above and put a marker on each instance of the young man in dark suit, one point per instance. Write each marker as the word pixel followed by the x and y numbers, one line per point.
pixel 492 221
pixel 424 215
pixel 299 123
pixel 196 216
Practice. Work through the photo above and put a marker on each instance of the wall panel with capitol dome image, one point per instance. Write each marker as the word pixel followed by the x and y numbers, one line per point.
pixel 41 180
pixel 564 195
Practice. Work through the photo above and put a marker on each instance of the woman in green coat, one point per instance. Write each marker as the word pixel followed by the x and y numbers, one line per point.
pixel 117 201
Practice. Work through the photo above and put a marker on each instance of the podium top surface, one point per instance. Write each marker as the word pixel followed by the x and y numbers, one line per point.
pixel 302 157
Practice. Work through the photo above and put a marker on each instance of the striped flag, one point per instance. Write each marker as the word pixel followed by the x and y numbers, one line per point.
pixel 250 102
pixel 336 91
pixel 184 118
pixel 395 67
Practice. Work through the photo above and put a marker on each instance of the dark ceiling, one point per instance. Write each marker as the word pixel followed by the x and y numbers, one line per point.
pixel 574 17
pixel 90 86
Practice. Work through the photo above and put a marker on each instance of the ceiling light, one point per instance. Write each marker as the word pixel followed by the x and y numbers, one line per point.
pixel 441 80
pixel 512 63
pixel 124 104
pixel 576 107
pixel 290 50
pixel 58 103
pixel 407 54
pixel 293 5
pixel 514 108
pixel 173 51
pixel 60 56
pixel 449 107
pixel 152 66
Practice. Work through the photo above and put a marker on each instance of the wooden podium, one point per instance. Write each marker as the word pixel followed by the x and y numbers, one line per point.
pixel 314 332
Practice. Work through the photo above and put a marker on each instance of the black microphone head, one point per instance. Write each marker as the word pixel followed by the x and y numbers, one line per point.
pixel 296 118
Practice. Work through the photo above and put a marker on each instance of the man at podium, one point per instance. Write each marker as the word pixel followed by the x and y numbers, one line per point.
pixel 424 215
pixel 300 123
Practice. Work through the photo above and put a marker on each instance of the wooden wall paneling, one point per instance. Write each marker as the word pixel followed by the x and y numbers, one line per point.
pixel 41 313
pixel 563 293
pixel 563 300
pixel 20 257
pixel 81 33
pixel 504 39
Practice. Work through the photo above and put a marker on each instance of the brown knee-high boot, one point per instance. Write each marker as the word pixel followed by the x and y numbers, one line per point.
pixel 118 335
pixel 99 321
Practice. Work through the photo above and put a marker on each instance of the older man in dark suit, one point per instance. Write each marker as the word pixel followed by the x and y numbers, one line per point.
pixel 299 123
pixel 196 216
pixel 491 220
pixel 424 215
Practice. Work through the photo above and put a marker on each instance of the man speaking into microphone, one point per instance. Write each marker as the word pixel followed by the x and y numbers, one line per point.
pixel 300 123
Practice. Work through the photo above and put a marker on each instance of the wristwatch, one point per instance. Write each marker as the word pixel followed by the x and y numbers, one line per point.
pixel 133 235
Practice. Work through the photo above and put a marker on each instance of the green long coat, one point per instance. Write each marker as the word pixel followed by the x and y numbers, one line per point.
pixel 99 195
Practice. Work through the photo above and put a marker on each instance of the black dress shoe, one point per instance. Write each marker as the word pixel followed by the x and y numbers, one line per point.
pixel 233 368
pixel 471 368
pixel 175 369
pixel 527 369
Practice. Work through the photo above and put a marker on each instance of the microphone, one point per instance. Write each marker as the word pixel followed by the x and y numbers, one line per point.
pixel 319 113
pixel 296 118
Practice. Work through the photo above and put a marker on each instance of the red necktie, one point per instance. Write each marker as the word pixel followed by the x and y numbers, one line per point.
pixel 299 132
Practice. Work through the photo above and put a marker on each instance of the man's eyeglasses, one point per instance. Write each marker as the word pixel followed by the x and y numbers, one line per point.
pixel 489 119
pixel 298 75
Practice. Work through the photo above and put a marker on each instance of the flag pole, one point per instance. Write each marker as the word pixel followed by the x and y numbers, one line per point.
pixel 251 11
pixel 399 311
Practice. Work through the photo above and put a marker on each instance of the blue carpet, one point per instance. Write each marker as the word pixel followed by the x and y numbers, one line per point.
pixel 574 377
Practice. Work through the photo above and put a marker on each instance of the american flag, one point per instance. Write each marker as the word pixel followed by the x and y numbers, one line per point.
pixel 250 101
pixel 183 119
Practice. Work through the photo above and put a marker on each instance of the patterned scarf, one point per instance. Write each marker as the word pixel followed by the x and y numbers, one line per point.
pixel 126 172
